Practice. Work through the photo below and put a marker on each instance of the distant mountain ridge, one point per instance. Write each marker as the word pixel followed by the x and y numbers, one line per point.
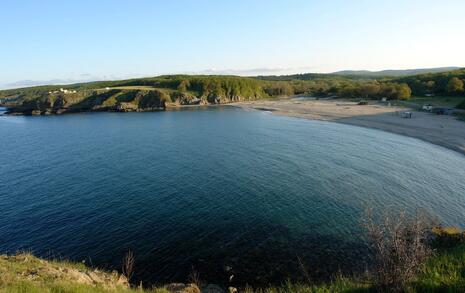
pixel 394 72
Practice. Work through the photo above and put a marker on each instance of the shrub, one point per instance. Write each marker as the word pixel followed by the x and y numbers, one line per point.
pixel 400 247
pixel 128 265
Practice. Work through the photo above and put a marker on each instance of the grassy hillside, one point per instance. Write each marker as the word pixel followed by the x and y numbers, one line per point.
pixel 157 93
pixel 27 273
pixel 146 94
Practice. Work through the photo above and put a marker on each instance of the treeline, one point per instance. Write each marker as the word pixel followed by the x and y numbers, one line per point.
pixel 449 83
pixel 212 88
pixel 207 89
pixel 339 87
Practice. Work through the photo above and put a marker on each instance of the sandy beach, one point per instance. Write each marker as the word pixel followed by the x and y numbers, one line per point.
pixel 442 130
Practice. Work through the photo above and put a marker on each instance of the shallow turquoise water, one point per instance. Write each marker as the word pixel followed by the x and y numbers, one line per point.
pixel 214 188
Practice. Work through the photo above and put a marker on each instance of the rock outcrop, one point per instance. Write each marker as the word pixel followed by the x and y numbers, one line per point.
pixel 183 288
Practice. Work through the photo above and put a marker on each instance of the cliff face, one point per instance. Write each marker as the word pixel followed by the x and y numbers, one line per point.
pixel 152 94
pixel 97 100
pixel 118 101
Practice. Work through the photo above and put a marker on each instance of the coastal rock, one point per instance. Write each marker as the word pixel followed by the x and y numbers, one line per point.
pixel 187 99
pixel 152 100
pixel 59 103
pixel 126 107
pixel 212 288
pixel 182 288
pixel 218 99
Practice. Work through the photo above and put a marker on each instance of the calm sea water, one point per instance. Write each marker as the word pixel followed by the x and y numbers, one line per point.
pixel 223 190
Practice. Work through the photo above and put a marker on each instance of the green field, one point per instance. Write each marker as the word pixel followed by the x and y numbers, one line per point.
pixel 436 101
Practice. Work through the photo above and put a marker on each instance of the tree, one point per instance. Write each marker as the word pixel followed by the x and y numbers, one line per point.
pixel 430 85
pixel 388 91
pixel 418 87
pixel 403 91
pixel 454 86
pixel 370 90
pixel 280 89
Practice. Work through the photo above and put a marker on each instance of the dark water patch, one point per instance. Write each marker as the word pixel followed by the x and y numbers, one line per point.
pixel 261 255
pixel 265 109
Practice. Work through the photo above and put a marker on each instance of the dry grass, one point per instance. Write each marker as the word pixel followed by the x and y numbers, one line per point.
pixel 194 278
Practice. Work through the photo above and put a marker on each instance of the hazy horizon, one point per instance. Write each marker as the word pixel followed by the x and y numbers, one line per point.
pixel 55 42
pixel 245 73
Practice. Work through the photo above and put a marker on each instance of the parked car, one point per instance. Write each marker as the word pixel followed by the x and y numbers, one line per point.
pixel 428 108
pixel 443 111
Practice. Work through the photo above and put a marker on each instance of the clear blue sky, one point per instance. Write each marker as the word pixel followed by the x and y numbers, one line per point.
pixel 100 39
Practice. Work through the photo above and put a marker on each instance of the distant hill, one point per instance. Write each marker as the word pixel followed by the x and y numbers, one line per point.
pixel 393 73
pixel 161 92
pixel 359 74
pixel 140 94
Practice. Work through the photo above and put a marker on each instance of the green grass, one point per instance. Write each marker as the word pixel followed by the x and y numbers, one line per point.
pixel 340 284
pixel 147 88
pixel 56 287
pixel 444 272
pixel 437 101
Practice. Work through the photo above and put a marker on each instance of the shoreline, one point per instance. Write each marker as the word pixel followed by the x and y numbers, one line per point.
pixel 441 130
pixel 5 112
